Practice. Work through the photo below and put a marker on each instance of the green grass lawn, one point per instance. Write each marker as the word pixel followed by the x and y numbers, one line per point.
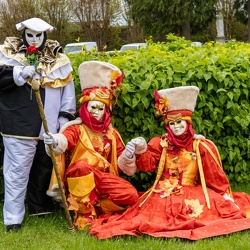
pixel 51 233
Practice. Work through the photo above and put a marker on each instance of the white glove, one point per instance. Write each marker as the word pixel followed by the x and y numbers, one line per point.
pixel 28 72
pixel 198 136
pixel 130 149
pixel 49 139
pixel 137 145
pixel 137 141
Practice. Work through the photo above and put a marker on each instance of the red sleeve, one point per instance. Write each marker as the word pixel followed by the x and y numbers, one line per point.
pixel 72 134
pixel 148 161
pixel 215 177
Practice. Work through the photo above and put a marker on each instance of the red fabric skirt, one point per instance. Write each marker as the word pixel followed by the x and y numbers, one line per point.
pixel 171 217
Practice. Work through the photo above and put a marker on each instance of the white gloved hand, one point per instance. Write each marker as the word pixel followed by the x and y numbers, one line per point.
pixel 49 139
pixel 130 149
pixel 198 136
pixel 28 72
pixel 137 145
pixel 137 141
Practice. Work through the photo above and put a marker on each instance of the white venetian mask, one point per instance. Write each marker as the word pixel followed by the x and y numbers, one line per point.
pixel 34 38
pixel 96 108
pixel 178 127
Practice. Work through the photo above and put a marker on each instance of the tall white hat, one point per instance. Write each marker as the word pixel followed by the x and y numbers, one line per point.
pixel 99 81
pixel 176 102
pixel 35 24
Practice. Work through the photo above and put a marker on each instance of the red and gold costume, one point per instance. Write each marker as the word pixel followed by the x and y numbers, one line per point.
pixel 190 198
pixel 92 177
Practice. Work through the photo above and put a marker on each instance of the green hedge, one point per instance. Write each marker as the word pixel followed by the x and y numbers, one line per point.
pixel 222 72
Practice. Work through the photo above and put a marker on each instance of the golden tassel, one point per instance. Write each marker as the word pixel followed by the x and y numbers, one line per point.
pixel 161 166
pixel 203 182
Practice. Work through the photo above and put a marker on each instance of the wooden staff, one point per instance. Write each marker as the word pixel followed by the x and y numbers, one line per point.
pixel 36 86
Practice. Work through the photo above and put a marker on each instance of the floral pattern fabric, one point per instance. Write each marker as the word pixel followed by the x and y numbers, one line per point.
pixel 177 207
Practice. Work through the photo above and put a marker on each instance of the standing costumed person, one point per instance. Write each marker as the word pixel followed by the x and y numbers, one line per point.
pixel 26 164
pixel 92 177
pixel 191 196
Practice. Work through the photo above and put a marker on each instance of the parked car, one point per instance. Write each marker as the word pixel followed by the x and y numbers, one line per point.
pixel 132 46
pixel 75 48
pixel 111 52
pixel 197 44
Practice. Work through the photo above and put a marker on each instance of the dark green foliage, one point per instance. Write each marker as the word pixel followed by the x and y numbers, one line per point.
pixel 241 12
pixel 163 16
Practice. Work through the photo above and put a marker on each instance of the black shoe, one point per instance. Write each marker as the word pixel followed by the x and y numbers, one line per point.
pixel 13 227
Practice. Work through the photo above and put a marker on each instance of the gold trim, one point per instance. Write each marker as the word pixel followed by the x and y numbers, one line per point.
pixel 215 159
pixel 185 118
pixel 174 117
pixel 57 82
pixel 202 177
pixel 161 165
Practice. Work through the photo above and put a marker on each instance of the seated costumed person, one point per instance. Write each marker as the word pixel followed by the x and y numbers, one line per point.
pixel 191 196
pixel 94 146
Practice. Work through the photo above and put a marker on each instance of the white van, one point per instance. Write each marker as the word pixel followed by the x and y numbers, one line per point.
pixel 132 46
pixel 75 48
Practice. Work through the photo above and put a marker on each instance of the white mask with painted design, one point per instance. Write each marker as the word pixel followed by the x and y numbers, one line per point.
pixel 34 38
pixel 178 127
pixel 96 108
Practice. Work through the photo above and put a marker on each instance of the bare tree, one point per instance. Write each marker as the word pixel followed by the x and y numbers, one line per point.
pixel 13 12
pixel 55 12
pixel 95 17
pixel 135 32
pixel 248 21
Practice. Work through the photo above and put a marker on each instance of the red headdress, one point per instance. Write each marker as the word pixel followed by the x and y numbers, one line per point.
pixel 177 104
pixel 100 81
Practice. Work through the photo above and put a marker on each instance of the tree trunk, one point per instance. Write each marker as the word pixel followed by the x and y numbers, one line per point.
pixel 186 30
pixel 248 22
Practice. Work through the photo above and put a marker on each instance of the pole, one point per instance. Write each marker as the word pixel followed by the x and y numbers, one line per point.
pixel 36 86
